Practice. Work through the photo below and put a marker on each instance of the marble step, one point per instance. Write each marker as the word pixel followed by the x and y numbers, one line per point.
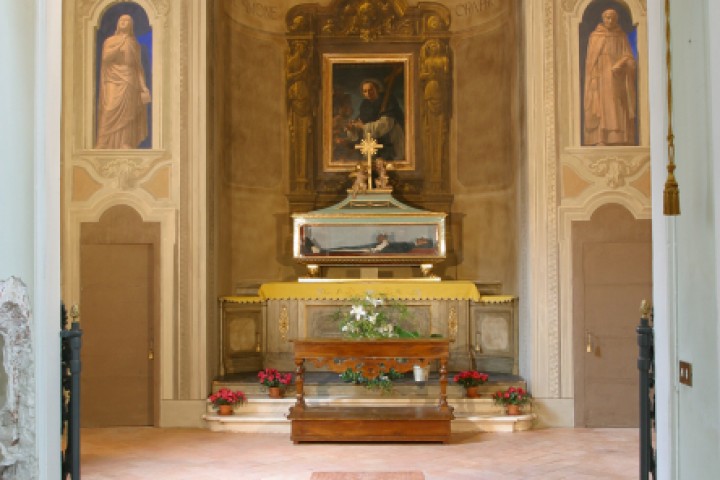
pixel 329 384
pixel 265 415
pixel 261 414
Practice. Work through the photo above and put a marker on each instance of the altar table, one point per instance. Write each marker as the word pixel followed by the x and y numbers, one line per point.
pixel 256 330
pixel 381 424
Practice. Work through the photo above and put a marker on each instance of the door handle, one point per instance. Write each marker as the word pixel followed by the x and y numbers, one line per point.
pixel 588 342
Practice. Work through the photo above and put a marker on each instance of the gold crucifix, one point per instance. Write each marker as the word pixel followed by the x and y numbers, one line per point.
pixel 368 147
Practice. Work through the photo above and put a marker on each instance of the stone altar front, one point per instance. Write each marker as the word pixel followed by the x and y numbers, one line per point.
pixel 256 331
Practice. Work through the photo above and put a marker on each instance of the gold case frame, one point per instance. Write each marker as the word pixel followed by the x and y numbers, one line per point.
pixel 338 78
pixel 369 229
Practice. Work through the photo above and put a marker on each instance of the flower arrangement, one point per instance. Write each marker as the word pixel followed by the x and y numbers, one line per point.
pixel 272 378
pixel 374 316
pixel 382 382
pixel 512 396
pixel 470 378
pixel 225 396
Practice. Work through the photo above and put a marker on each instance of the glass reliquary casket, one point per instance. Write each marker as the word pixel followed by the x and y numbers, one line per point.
pixel 369 229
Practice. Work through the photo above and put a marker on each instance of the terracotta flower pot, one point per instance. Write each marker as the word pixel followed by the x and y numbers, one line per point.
pixel 225 409
pixel 275 392
pixel 471 392
pixel 514 410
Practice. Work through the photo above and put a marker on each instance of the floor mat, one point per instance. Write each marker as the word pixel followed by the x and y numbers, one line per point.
pixel 367 476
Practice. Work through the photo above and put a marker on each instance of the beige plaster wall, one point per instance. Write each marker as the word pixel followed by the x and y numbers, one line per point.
pixel 253 210
pixel 252 154
pixel 485 148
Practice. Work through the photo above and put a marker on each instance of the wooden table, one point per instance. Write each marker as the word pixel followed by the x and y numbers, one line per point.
pixel 379 424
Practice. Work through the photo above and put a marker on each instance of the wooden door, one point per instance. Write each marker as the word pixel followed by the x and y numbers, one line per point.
pixel 612 274
pixel 117 308
pixel 617 279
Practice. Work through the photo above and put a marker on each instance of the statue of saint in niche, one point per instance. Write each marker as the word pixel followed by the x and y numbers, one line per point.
pixel 610 85
pixel 123 95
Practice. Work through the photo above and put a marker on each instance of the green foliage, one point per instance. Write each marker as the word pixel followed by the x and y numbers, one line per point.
pixel 382 382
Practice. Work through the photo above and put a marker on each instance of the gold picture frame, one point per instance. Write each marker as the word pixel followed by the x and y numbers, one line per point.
pixel 348 111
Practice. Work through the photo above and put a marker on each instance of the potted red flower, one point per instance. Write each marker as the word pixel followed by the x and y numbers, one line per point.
pixel 224 400
pixel 513 399
pixel 471 379
pixel 275 381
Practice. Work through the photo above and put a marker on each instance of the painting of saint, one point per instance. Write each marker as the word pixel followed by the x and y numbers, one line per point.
pixel 123 86
pixel 368 97
pixel 610 84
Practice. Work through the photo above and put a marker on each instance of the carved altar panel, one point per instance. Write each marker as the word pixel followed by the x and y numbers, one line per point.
pixel 317 319
pixel 493 336
pixel 242 338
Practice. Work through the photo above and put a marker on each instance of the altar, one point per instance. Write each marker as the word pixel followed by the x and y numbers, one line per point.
pixel 257 330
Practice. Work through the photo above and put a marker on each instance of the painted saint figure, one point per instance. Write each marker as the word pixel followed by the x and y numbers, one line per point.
pixel 610 86
pixel 382 118
pixel 435 75
pixel 299 108
pixel 123 96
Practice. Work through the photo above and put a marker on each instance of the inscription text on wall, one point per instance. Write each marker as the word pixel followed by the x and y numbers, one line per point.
pixel 468 9
pixel 260 10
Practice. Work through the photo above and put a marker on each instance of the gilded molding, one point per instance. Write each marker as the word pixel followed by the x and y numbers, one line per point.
pixel 311 27
pixel 283 323
pixel 453 323
pixel 436 81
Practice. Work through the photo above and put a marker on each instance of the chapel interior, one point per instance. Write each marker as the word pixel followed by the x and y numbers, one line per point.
pixel 160 241
pixel 205 184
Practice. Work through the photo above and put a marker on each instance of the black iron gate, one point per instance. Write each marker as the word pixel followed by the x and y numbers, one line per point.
pixel 646 366
pixel 71 341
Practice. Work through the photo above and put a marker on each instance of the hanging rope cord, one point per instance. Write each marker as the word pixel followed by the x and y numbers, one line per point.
pixel 671 193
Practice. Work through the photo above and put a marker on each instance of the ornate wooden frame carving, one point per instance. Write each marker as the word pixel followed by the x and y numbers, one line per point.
pixel 368 27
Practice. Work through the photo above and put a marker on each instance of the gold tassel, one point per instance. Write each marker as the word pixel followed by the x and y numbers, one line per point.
pixel 671 193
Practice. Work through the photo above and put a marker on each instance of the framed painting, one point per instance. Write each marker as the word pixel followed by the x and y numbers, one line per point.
pixel 367 94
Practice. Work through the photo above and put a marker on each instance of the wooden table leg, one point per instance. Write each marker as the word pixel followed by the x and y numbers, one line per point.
pixel 299 383
pixel 443 384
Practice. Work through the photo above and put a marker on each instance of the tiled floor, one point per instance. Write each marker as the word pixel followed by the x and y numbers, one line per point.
pixel 174 454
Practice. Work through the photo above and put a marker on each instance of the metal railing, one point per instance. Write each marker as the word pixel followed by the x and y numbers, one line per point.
pixel 646 366
pixel 71 341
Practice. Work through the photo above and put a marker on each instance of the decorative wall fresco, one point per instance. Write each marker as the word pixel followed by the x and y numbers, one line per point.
pixel 608 75
pixel 124 78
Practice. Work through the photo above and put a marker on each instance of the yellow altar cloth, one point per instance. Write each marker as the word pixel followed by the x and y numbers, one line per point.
pixel 403 290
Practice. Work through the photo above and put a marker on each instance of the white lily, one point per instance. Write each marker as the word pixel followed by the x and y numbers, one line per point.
pixel 375 301
pixel 358 311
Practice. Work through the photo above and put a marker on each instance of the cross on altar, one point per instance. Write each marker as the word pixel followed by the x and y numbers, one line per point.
pixel 368 147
